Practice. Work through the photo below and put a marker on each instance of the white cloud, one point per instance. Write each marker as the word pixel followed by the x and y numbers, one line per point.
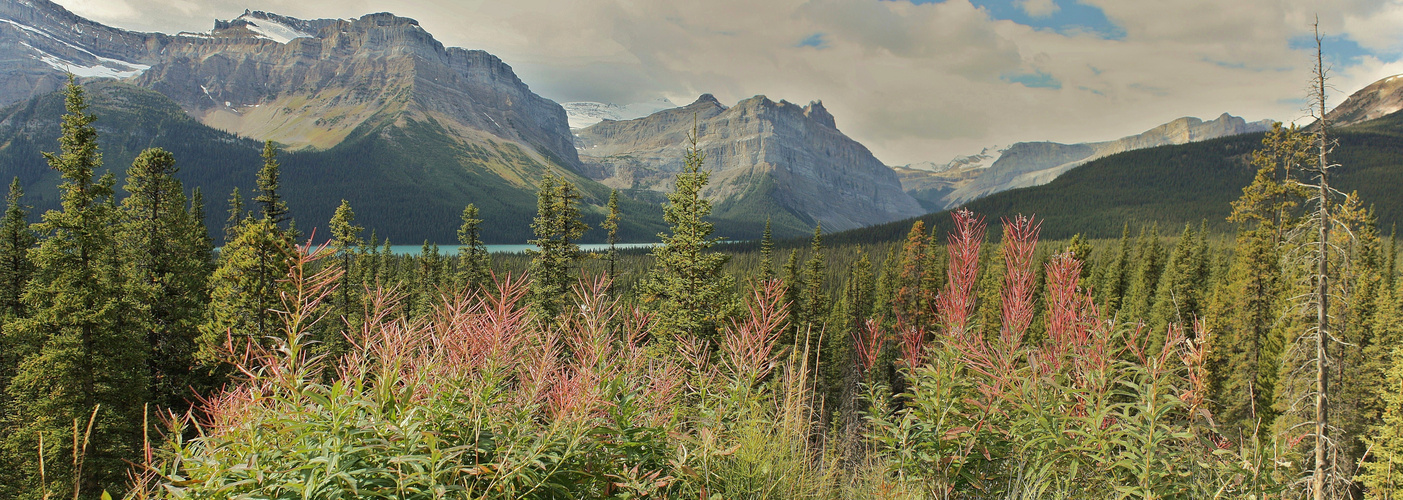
pixel 912 82
pixel 1038 8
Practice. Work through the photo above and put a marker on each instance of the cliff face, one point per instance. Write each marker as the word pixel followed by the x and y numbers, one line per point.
pixel 1035 163
pixel 40 41
pixel 303 83
pixel 785 159
pixel 332 76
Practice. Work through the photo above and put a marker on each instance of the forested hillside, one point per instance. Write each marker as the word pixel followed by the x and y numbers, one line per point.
pixel 1175 185
pixel 411 180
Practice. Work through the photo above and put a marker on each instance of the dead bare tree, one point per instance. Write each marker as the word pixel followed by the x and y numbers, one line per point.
pixel 1329 475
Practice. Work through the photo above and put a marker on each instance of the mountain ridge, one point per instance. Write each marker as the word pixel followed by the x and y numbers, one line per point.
pixel 1024 164
pixel 794 156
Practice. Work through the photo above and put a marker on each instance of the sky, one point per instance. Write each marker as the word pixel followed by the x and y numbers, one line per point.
pixel 913 80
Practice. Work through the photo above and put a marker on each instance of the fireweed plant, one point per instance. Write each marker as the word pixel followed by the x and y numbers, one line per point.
pixel 483 399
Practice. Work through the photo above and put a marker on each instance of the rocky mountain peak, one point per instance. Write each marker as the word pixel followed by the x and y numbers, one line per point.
pixel 816 112
pixel 1380 98
pixel 781 159
pixel 706 100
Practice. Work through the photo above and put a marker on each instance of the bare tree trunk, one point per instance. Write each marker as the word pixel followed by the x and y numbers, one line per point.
pixel 1322 381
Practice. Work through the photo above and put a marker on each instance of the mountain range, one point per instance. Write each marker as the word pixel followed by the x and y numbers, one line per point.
pixel 374 110
pixel 1191 183
pixel 997 169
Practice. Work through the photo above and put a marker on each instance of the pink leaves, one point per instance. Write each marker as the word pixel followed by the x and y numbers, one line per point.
pixel 956 304
pixel 868 343
pixel 748 344
pixel 1020 242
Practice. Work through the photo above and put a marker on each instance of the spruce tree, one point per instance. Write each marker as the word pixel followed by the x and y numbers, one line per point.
pixel 1243 358
pixel 270 202
pixel 1383 474
pixel 236 216
pixel 910 305
pixel 246 288
pixel 1178 296
pixel 767 254
pixel 813 305
pixel 474 263
pixel 167 248
pixel 427 281
pixel 1115 277
pixel 557 227
pixel 247 285
pixel 16 239
pixel 686 287
pixel 1139 297
pixel 348 302
pixel 611 224
pixel 84 357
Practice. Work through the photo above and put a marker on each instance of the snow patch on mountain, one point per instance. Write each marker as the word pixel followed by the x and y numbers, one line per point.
pixel 582 114
pixel 985 158
pixel 273 30
pixel 99 67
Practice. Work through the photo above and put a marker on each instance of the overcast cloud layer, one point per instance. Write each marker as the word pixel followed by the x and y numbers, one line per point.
pixel 912 81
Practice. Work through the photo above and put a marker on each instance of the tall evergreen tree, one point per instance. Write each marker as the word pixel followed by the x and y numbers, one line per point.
pixel 348 302
pixel 474 263
pixel 16 239
pixel 611 224
pixel 557 227
pixel 1243 357
pixel 1383 474
pixel 767 254
pixel 910 303
pixel 236 216
pixel 813 305
pixel 83 357
pixel 1139 297
pixel 1115 278
pixel 1179 295
pixel 270 202
pixel 246 288
pixel 255 257
pixel 686 287
pixel 167 249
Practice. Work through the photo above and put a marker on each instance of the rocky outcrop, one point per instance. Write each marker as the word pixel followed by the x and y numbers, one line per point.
pixel 815 173
pixel 1380 98
pixel 1032 164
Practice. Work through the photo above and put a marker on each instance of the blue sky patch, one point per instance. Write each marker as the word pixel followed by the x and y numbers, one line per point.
pixel 1036 80
pixel 1071 17
pixel 1341 50
pixel 816 40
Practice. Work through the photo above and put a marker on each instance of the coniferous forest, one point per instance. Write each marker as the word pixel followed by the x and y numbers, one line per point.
pixel 305 360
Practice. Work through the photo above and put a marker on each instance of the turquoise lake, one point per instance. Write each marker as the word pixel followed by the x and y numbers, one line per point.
pixel 453 249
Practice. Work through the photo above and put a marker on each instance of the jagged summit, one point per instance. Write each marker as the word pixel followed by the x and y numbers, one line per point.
pixel 767 158
pixel 818 113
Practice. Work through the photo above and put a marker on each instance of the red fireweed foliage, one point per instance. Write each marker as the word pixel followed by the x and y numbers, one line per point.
pixel 868 342
pixel 748 344
pixel 955 305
